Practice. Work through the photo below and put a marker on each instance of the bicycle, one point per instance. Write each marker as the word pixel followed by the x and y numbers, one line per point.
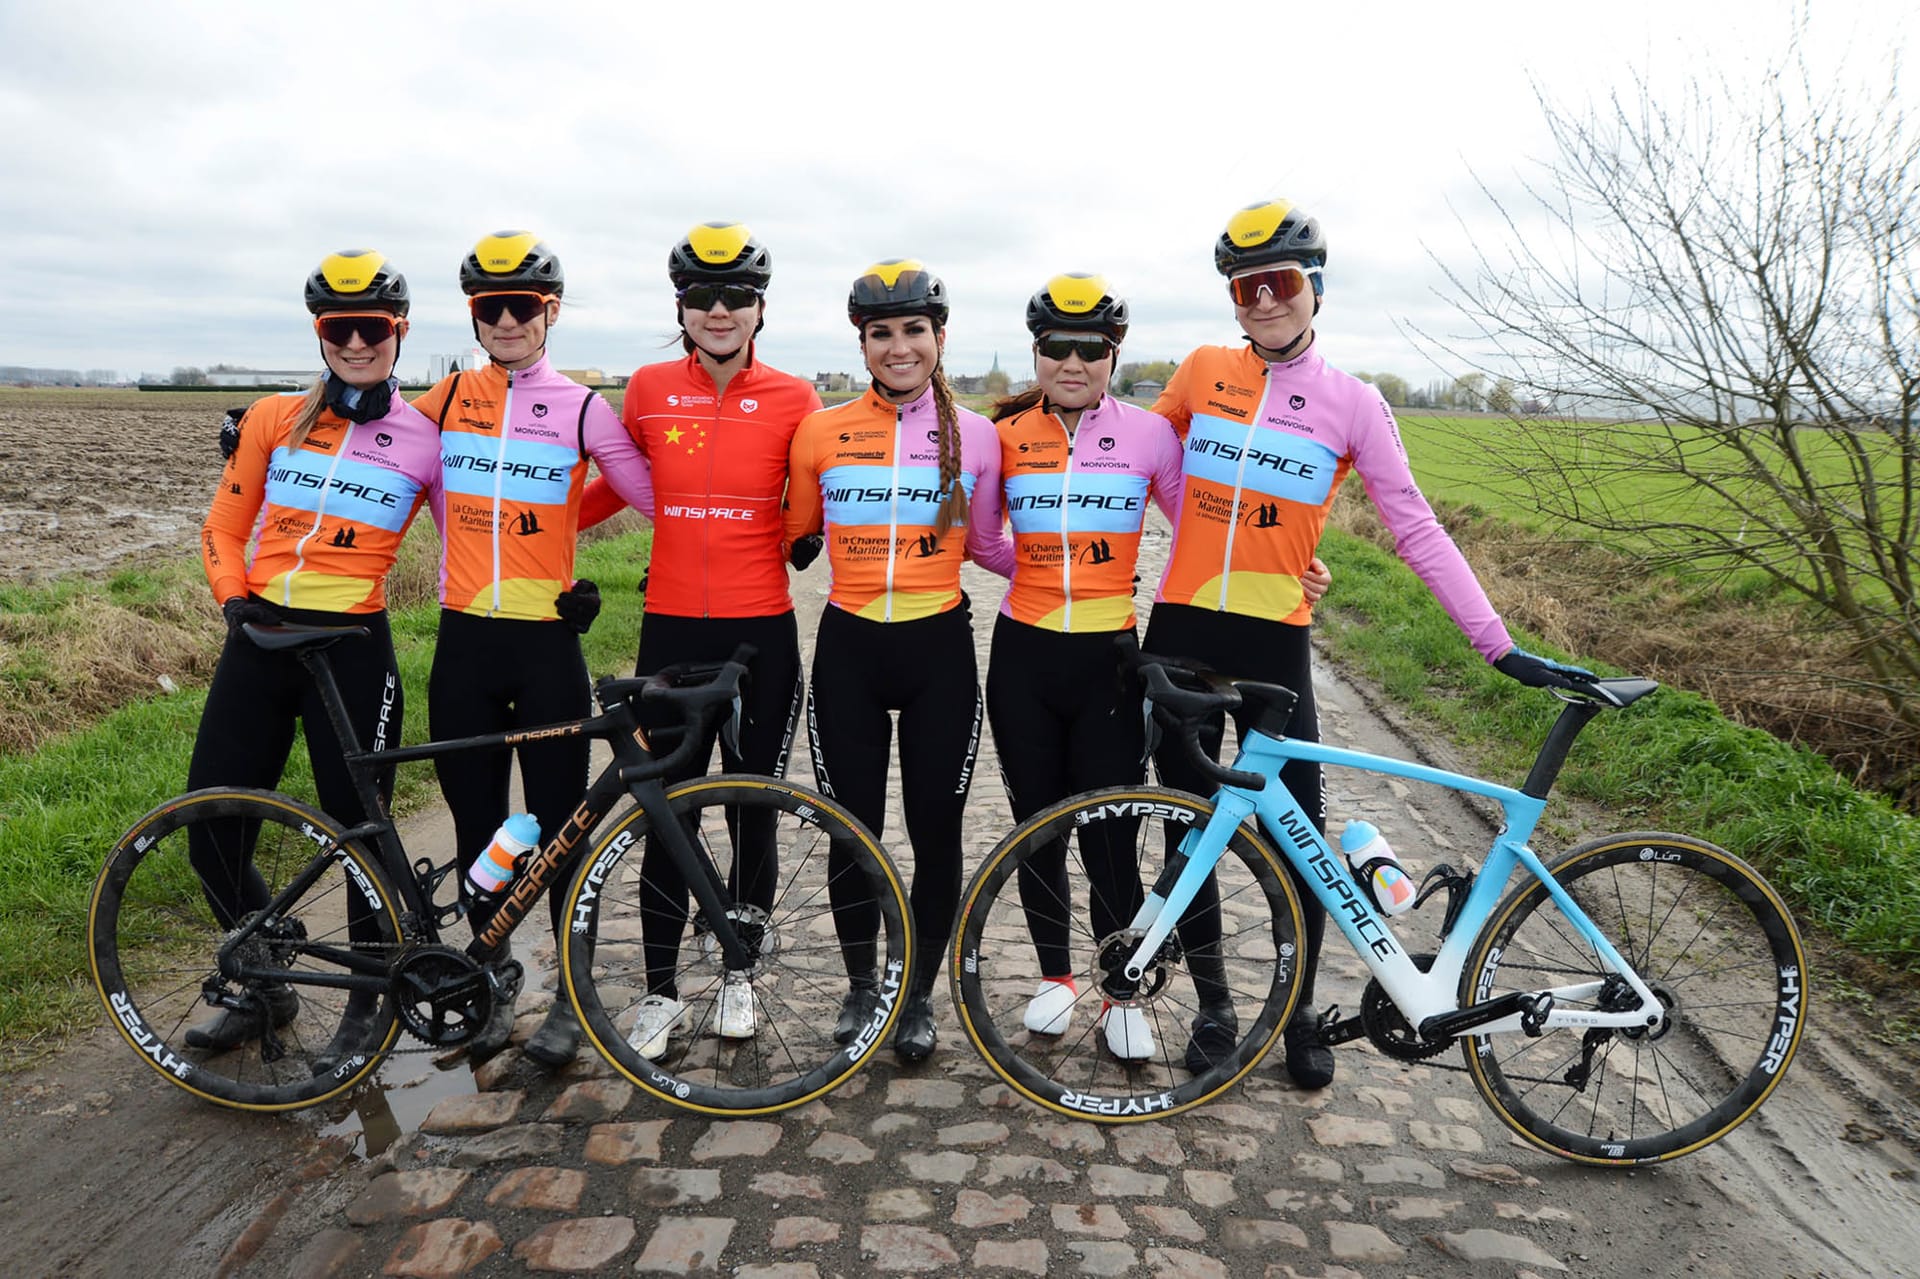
pixel 347 923
pixel 1611 1052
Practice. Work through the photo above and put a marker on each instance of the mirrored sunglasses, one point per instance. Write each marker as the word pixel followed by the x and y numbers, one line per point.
pixel 374 327
pixel 489 307
pixel 734 297
pixel 1090 349
pixel 1283 281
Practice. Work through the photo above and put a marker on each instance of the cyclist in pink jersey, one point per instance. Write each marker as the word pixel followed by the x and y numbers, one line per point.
pixel 314 500
pixel 1078 469
pixel 1269 432
pixel 515 440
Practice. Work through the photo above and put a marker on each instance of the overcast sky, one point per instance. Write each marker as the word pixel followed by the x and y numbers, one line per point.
pixel 170 173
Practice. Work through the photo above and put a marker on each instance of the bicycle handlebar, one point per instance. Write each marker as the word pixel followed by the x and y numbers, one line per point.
pixel 697 690
pixel 1182 709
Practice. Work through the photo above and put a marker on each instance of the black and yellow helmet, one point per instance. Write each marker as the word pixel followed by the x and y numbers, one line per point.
pixel 357 280
pixel 1266 232
pixel 511 261
pixel 897 286
pixel 1078 301
pixel 719 253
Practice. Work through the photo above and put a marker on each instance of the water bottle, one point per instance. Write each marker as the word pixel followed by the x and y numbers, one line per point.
pixel 1392 888
pixel 493 870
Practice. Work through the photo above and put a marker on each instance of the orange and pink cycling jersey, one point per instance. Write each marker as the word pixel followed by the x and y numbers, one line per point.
pixel 1266 447
pixel 1076 505
pixel 514 446
pixel 867 473
pixel 318 526
pixel 719 467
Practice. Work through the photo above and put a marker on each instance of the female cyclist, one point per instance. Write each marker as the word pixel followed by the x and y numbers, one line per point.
pixel 515 439
pixel 889 479
pixel 1270 431
pixel 1078 468
pixel 328 483
pixel 715 427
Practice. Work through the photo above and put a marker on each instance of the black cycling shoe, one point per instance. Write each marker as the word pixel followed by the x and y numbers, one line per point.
pixel 557 1042
pixel 856 1010
pixel 231 1027
pixel 1215 1034
pixel 915 1038
pixel 494 1035
pixel 1309 1062
pixel 354 1038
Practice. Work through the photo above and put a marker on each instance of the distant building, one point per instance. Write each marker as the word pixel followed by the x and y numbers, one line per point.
pixel 264 377
pixel 1146 389
pixel 586 377
pixel 825 382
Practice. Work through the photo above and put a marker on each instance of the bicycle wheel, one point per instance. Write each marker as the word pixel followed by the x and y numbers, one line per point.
pixel 152 939
pixel 792 859
pixel 1062 879
pixel 1715 944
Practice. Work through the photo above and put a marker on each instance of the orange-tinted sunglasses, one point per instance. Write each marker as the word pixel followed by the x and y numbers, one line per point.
pixel 374 327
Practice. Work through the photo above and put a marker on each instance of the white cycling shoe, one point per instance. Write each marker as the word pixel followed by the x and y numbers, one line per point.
pixel 1050 1011
pixel 654 1024
pixel 1128 1036
pixel 733 1011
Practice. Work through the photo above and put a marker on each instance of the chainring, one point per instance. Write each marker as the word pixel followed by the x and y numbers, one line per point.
pixel 441 995
pixel 1388 1028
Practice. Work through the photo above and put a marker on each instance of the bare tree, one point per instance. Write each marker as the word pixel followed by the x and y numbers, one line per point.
pixel 1729 279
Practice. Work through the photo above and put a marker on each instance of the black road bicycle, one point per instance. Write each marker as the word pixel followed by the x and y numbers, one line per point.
pixel 352 926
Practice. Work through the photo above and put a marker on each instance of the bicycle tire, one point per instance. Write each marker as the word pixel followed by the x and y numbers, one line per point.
pixel 799 977
pixel 152 938
pixel 995 969
pixel 1713 940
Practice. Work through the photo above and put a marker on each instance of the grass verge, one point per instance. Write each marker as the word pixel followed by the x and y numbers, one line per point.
pixel 1847 859
pixel 63 805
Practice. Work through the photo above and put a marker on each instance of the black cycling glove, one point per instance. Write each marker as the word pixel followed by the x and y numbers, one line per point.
pixel 1540 672
pixel 230 432
pixel 578 605
pixel 240 610
pixel 805 550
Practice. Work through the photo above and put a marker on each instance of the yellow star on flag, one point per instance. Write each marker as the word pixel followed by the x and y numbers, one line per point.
pixel 673 434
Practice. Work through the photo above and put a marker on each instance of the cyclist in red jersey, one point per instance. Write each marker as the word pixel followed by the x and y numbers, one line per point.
pixel 715 428
pixel 515 439
pixel 1270 431
pixel 893 481
pixel 1078 469
pixel 313 502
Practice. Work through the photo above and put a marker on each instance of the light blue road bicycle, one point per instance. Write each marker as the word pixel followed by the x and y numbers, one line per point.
pixel 1632 1000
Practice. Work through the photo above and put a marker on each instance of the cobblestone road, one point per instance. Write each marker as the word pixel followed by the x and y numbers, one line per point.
pixel 1396 1170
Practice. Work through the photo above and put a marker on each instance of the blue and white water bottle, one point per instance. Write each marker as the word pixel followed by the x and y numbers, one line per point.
pixel 1392 888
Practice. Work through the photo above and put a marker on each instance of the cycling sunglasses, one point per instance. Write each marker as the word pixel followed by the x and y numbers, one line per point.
pixel 489 307
pixel 1091 350
pixel 1283 281
pixel 734 297
pixel 374 327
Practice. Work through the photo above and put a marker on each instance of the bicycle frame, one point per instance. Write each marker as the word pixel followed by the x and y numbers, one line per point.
pixel 1429 1000
pixel 633 771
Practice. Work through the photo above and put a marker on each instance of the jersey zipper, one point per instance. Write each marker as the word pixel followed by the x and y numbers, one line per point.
pixel 499 482
pixel 1066 543
pixel 1239 483
pixel 893 509
pixel 319 517
pixel 706 523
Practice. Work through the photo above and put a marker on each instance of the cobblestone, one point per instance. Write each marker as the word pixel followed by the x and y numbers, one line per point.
pixel 583 1246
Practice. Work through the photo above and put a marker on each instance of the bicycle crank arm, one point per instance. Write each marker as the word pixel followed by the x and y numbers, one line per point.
pixel 1531 1008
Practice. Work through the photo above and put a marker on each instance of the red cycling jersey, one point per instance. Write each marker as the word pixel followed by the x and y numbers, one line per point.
pixel 719 472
